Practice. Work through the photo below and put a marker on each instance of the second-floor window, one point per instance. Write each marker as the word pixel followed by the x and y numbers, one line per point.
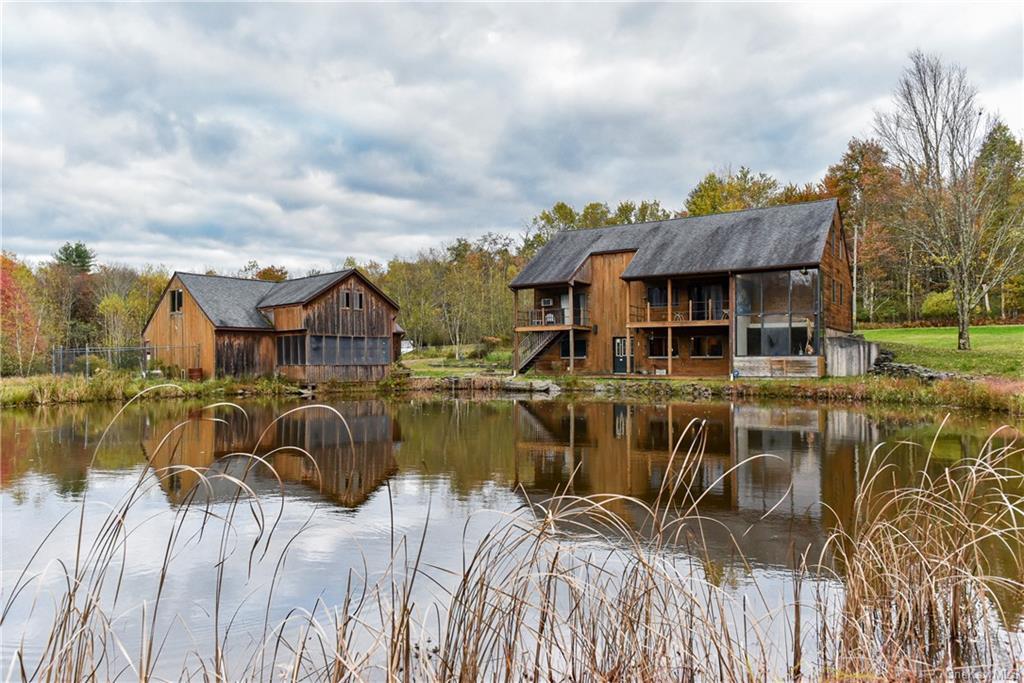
pixel 177 300
pixel 658 296
pixel 357 300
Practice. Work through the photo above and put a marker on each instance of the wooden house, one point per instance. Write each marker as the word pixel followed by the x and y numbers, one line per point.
pixel 757 293
pixel 330 326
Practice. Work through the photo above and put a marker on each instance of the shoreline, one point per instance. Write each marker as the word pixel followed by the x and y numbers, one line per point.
pixel 985 394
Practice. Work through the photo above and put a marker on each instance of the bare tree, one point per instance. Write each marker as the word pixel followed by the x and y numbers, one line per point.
pixel 934 134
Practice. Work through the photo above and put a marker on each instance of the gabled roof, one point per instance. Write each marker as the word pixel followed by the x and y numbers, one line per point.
pixel 229 301
pixel 562 256
pixel 302 289
pixel 777 236
pixel 236 302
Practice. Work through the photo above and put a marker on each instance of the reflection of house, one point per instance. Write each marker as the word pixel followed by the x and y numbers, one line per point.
pixel 312 329
pixel 346 470
pixel 624 449
pixel 756 292
pixel 345 464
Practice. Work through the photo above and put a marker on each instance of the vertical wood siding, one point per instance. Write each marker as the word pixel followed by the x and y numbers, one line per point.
pixel 244 353
pixel 325 314
pixel 835 266
pixel 190 327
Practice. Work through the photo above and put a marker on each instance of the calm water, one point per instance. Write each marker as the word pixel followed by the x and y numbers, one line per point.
pixel 458 463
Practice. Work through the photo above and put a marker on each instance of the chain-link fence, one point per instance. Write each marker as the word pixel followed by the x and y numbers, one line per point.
pixel 170 361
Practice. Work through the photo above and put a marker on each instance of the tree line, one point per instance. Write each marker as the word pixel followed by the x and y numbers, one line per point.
pixel 932 203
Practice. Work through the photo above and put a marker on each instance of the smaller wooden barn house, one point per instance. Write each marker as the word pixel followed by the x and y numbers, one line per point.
pixel 312 329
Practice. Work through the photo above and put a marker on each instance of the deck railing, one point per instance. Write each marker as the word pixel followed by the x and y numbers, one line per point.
pixel 545 317
pixel 691 311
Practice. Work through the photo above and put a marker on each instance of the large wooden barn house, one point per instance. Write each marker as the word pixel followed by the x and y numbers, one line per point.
pixel 761 292
pixel 313 329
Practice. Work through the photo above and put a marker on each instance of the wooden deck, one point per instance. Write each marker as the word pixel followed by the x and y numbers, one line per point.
pixel 677 323
pixel 552 328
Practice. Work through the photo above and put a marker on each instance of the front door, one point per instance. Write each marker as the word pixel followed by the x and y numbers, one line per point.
pixel 619 355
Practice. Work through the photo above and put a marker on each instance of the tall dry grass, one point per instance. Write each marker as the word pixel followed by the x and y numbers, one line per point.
pixel 567 589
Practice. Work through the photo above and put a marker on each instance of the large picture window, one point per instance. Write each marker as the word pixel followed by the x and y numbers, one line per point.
pixel 334 350
pixel 777 313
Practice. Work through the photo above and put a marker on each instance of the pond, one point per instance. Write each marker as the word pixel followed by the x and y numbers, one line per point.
pixel 426 476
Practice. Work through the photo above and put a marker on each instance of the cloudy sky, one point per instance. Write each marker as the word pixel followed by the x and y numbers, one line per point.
pixel 204 136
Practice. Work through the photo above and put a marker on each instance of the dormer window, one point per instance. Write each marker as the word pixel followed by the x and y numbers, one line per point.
pixel 177 300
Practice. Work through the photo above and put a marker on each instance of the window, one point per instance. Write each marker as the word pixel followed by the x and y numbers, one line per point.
pixel 316 349
pixel 707 301
pixel 579 350
pixel 331 351
pixel 658 296
pixel 707 346
pixel 777 313
pixel 346 299
pixel 358 301
pixel 334 350
pixel 840 292
pixel 291 349
pixel 657 344
pixel 833 290
pixel 177 300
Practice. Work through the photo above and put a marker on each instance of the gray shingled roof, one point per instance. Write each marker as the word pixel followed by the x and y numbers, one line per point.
pixel 567 250
pixel 229 301
pixel 793 234
pixel 235 302
pixel 301 289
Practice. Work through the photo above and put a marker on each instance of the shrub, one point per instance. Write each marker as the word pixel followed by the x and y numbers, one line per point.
pixel 939 305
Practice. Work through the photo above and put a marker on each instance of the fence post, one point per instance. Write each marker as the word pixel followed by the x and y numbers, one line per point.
pixel 87 361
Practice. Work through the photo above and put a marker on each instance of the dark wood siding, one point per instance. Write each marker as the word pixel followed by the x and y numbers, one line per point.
pixel 328 315
pixel 315 374
pixel 244 353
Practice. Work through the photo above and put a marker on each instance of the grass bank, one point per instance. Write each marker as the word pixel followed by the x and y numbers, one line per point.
pixel 441 361
pixel 997 350
pixel 49 389
pixel 997 395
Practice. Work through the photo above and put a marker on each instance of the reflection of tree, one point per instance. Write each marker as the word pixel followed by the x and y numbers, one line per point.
pixel 471 443
pixel 60 442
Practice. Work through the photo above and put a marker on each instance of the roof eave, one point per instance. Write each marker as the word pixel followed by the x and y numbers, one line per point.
pixel 722 271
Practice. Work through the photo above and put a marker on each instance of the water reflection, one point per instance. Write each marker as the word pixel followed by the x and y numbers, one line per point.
pixel 344 459
pixel 461 456
pixel 624 449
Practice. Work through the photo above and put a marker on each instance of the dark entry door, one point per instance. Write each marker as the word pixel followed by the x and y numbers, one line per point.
pixel 619 355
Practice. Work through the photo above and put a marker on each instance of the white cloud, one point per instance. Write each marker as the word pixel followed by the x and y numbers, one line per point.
pixel 203 135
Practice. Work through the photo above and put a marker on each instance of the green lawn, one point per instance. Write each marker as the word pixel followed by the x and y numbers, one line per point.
pixel 996 350
pixel 439 361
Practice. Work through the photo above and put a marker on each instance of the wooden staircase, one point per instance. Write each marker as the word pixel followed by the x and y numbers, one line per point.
pixel 532 344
